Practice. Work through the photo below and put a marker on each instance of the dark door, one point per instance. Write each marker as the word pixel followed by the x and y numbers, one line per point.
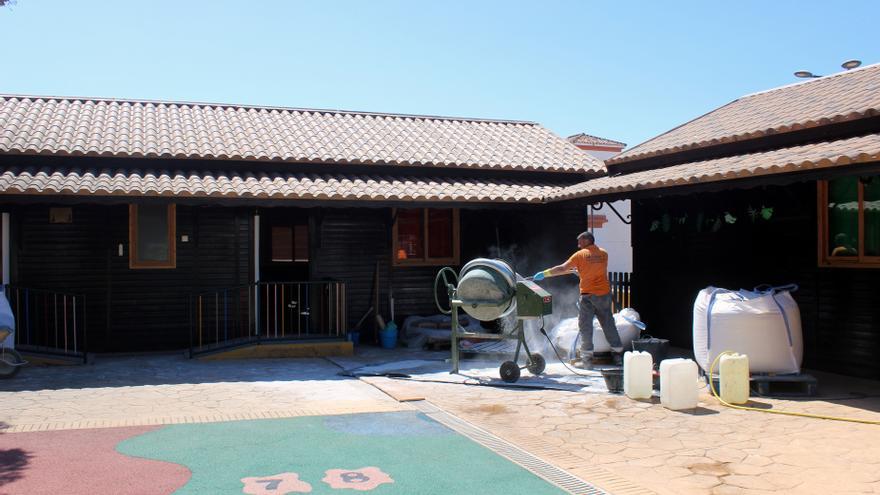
pixel 286 294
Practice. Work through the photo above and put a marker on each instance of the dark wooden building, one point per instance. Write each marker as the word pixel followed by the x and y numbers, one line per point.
pixel 138 225
pixel 776 187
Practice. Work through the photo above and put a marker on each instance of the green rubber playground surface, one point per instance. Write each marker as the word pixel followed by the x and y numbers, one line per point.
pixel 382 453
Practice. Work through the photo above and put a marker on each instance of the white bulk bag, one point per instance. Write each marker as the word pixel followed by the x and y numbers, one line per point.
pixel 764 324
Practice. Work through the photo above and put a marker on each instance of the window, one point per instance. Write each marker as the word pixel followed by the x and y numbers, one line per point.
pixel 151 234
pixel 849 221
pixel 290 243
pixel 426 236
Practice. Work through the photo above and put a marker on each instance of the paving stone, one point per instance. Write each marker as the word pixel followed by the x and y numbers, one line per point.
pixel 699 481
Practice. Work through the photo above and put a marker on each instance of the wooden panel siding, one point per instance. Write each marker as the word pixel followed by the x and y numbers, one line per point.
pixel 353 241
pixel 839 306
pixel 349 244
pixel 131 310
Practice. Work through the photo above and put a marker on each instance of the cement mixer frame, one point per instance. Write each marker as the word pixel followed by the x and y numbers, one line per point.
pixel 527 299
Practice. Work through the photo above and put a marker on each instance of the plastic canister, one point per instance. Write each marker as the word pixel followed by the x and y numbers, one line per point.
pixel 734 378
pixel 637 375
pixel 678 384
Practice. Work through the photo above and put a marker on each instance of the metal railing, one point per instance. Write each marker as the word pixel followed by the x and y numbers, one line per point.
pixel 266 311
pixel 621 289
pixel 49 322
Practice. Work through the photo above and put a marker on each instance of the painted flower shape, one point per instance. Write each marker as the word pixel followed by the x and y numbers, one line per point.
pixel 363 479
pixel 276 484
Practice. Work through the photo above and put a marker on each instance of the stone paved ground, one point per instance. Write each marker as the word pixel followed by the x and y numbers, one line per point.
pixel 625 446
pixel 712 450
pixel 165 389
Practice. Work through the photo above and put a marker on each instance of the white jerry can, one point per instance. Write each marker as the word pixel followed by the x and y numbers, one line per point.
pixel 638 381
pixel 678 384
pixel 733 372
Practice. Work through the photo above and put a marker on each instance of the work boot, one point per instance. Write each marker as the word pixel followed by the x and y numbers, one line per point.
pixel 582 364
pixel 617 358
pixel 583 361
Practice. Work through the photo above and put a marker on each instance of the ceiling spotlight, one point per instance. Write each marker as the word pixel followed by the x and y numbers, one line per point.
pixel 805 74
pixel 851 64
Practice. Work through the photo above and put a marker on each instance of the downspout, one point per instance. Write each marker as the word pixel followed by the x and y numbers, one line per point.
pixel 256 273
pixel 5 249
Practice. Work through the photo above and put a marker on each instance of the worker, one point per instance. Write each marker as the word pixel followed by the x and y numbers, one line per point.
pixel 591 264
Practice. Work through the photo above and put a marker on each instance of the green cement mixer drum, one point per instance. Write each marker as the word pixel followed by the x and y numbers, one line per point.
pixel 487 289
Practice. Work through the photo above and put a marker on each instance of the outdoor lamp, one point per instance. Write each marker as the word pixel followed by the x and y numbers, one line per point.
pixel 851 64
pixel 805 74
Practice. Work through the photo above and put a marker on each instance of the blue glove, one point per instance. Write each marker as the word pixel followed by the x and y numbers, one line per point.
pixel 538 276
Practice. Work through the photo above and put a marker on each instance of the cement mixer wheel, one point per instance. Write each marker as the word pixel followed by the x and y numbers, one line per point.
pixel 509 371
pixel 537 363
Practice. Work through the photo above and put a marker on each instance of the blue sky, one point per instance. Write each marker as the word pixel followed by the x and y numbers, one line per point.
pixel 622 70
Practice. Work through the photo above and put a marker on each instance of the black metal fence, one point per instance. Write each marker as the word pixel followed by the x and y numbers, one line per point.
pixel 49 322
pixel 621 289
pixel 266 311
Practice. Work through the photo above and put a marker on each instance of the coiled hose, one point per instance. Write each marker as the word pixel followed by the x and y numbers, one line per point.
pixel 773 411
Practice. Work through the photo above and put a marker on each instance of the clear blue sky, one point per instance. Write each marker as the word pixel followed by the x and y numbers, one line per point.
pixel 622 70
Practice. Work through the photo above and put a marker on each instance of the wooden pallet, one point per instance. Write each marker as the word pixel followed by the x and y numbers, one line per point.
pixel 493 347
pixel 797 385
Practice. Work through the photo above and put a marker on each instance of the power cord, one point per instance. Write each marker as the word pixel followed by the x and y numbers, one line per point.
pixel 556 351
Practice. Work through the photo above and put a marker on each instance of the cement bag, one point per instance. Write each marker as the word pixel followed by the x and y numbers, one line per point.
pixel 565 335
pixel 625 328
pixel 764 324
pixel 7 320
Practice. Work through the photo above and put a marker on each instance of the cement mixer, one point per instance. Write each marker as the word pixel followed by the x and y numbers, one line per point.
pixel 487 290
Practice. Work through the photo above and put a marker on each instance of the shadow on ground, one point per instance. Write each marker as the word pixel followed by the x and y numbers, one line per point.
pixel 166 369
pixel 12 462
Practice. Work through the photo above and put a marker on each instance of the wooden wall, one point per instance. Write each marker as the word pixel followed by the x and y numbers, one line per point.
pixel 840 307
pixel 144 310
pixel 129 309
pixel 354 241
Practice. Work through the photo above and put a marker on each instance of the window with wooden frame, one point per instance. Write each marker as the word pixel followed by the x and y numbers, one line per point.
pixel 290 243
pixel 426 236
pixel 849 221
pixel 151 236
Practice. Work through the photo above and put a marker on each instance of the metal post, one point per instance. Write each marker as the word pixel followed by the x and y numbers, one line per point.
pixel 454 335
pixel 85 327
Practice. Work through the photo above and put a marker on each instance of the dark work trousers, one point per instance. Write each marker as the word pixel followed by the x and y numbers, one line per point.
pixel 600 306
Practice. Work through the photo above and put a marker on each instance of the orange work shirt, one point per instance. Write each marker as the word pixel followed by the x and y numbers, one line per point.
pixel 592 266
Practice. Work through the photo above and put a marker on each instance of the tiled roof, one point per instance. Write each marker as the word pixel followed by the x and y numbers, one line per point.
pixel 588 140
pixel 841 97
pixel 784 160
pixel 146 129
pixel 129 182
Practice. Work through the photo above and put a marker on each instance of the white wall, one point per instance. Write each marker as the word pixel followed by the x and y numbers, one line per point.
pixel 602 155
pixel 615 237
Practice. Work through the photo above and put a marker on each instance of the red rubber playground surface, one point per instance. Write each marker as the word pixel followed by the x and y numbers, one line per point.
pixel 382 453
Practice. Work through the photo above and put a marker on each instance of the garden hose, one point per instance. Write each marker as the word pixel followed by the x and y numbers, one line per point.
pixel 772 411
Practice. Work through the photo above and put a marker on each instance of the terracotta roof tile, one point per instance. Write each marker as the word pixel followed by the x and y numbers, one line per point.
pixel 840 97
pixel 589 140
pixel 827 154
pixel 128 128
pixel 38 180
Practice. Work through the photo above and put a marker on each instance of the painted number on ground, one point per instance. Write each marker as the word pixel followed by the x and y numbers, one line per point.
pixel 276 484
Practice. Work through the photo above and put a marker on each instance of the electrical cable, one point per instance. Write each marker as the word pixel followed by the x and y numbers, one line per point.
pixel 773 411
pixel 556 351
